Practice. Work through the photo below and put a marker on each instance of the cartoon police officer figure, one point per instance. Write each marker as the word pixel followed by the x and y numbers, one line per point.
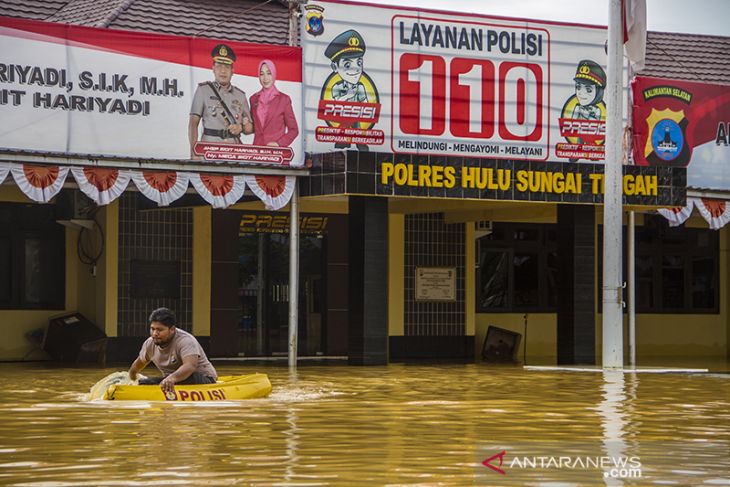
pixel 222 107
pixel 590 83
pixel 346 52
pixel 586 103
pixel 348 81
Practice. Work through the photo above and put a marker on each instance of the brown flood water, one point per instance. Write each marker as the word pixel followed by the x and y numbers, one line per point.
pixel 394 425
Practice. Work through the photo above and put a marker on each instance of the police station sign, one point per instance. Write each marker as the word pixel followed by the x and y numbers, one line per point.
pixel 407 81
pixel 71 89
pixel 479 178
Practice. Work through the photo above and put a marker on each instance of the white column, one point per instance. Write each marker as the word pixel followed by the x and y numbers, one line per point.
pixel 612 239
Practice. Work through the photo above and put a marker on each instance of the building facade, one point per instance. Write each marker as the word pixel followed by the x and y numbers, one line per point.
pixel 393 264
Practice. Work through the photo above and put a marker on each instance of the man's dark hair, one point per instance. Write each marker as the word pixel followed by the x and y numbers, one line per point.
pixel 164 316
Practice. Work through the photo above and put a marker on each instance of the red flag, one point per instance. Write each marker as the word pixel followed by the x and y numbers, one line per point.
pixel 634 14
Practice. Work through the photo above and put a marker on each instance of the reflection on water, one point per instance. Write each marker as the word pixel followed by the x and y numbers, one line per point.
pixel 400 424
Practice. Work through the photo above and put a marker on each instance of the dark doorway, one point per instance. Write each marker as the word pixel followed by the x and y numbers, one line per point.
pixel 263 325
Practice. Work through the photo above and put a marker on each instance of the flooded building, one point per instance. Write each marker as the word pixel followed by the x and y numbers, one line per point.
pixel 412 244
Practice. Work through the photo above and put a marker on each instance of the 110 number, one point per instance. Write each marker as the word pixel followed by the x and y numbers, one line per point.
pixel 474 109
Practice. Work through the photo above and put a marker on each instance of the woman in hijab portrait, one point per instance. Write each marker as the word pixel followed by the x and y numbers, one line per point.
pixel 273 116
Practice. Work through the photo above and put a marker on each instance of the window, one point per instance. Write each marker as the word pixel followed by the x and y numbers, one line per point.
pixel 683 266
pixel 32 257
pixel 677 268
pixel 517 268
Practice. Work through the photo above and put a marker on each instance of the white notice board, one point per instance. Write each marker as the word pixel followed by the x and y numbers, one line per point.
pixel 435 283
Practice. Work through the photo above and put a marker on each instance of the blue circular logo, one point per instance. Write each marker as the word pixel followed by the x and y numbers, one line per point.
pixel 667 139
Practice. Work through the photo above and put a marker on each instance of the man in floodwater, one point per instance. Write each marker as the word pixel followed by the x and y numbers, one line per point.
pixel 175 352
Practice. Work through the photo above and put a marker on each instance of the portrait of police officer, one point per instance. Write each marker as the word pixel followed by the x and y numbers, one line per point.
pixel 222 107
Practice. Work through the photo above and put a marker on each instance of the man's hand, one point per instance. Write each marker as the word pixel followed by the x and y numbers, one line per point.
pixel 168 384
pixel 235 129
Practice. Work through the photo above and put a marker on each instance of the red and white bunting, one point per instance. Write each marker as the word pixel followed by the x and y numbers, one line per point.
pixel 162 187
pixel 39 183
pixel 679 214
pixel 274 191
pixel 102 185
pixel 4 171
pixel 716 212
pixel 219 190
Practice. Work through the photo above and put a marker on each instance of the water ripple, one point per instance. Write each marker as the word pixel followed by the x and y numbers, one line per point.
pixel 394 425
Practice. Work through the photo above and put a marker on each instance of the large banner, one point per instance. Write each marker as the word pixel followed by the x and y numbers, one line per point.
pixel 70 89
pixel 411 81
pixel 678 123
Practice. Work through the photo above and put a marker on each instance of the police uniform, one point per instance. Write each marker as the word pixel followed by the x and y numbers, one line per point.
pixel 348 44
pixel 590 72
pixel 209 108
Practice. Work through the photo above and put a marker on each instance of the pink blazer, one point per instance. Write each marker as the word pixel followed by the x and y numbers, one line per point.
pixel 281 125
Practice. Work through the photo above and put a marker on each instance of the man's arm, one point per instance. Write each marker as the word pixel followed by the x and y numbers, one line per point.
pixel 246 118
pixel 187 368
pixel 193 124
pixel 136 367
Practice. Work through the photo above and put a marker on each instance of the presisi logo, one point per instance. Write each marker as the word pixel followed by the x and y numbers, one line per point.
pixel 576 128
pixel 348 112
pixel 251 223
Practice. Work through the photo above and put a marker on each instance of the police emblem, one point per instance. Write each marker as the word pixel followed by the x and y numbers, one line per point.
pixel 666 144
pixel 314 23
pixel 667 139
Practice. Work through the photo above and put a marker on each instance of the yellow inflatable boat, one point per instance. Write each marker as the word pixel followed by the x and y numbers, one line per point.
pixel 118 387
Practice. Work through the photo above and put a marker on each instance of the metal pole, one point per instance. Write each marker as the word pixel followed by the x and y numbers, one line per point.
pixel 632 289
pixel 293 227
pixel 612 316
pixel 631 242
pixel 293 275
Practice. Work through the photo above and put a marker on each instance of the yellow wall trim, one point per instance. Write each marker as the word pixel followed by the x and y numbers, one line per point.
pixel 396 265
pixel 470 279
pixel 111 269
pixel 202 255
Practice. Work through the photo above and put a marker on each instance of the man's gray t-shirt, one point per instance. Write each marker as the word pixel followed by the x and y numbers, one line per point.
pixel 169 359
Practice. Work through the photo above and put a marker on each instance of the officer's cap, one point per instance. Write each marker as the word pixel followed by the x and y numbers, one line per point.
pixel 590 71
pixel 350 43
pixel 223 54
